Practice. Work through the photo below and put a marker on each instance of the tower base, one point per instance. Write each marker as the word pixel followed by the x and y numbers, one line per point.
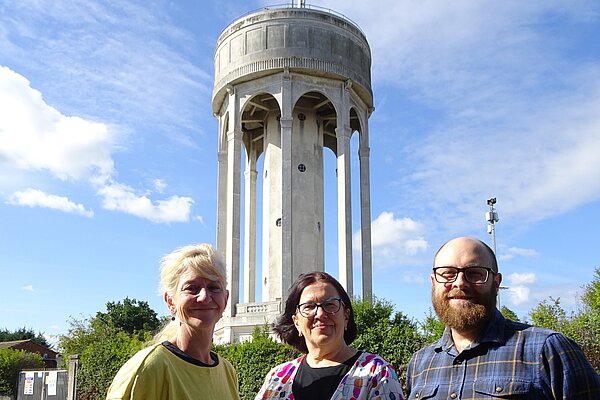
pixel 249 316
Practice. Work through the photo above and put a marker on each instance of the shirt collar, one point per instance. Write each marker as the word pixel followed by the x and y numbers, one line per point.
pixel 493 332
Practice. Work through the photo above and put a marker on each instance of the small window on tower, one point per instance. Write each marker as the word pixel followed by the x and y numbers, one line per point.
pixel 301 167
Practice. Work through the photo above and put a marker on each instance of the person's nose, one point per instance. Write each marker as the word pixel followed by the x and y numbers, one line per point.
pixel 320 313
pixel 460 280
pixel 202 295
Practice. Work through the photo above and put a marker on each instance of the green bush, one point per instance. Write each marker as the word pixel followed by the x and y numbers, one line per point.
pixel 252 360
pixel 104 343
pixel 13 361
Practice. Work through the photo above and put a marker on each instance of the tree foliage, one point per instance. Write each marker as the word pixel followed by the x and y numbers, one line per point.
pixel 391 335
pixel 583 326
pixel 253 359
pixel 104 343
pixel 509 314
pixel 23 334
pixel 11 363
pixel 432 328
pixel 549 314
pixel 131 316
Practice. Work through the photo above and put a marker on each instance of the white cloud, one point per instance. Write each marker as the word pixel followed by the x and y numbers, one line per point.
pixel 518 294
pixel 515 115
pixel 511 252
pixel 120 197
pixel 518 287
pixel 35 136
pixel 36 198
pixel 28 288
pixel 410 277
pixel 160 185
pixel 393 240
pixel 119 55
pixel 518 279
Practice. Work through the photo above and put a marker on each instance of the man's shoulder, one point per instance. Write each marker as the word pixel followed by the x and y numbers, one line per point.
pixel 528 330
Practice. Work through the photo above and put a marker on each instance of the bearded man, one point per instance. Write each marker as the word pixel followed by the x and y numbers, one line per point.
pixel 482 355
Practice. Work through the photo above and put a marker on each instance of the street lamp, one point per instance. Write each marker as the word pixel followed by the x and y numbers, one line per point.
pixel 492 217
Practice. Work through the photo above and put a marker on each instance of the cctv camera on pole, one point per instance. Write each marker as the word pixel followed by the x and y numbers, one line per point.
pixel 492 217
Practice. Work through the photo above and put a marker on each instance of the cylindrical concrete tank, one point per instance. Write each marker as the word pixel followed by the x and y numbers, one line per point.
pixel 301 39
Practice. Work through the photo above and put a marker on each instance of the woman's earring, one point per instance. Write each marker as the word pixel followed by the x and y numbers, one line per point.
pixel 172 318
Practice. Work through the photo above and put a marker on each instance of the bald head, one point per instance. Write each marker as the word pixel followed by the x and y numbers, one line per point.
pixel 461 250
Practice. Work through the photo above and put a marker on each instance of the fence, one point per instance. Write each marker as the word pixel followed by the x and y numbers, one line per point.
pixel 50 384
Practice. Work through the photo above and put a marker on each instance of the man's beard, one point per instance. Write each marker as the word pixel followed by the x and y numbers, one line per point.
pixel 470 316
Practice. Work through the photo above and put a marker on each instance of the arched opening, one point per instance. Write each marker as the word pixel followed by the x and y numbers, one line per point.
pixel 262 147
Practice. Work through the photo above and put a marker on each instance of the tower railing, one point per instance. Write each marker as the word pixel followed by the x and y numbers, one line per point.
pixel 309 6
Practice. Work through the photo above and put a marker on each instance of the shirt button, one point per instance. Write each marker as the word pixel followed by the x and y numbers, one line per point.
pixel 499 389
pixel 417 396
pixel 453 395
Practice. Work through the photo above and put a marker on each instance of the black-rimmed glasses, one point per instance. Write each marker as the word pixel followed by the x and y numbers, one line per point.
pixel 476 275
pixel 330 306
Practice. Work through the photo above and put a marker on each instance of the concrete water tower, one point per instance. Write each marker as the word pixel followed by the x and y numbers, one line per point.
pixel 290 83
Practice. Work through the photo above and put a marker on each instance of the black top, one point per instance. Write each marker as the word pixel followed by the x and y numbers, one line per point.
pixel 179 353
pixel 320 383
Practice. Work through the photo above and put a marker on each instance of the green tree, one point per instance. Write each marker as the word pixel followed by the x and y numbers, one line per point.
pixel 253 359
pixel 432 328
pixel 584 327
pixel 549 314
pixel 391 335
pixel 591 296
pixel 105 342
pixel 509 314
pixel 23 334
pixel 131 316
pixel 11 363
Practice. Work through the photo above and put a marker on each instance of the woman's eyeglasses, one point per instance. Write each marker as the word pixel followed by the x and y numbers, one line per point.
pixel 329 306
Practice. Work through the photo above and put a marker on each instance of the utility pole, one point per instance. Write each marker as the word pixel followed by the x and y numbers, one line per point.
pixel 492 217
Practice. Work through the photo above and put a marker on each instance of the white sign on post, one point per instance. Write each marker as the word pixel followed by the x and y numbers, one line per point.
pixel 52 378
pixel 29 377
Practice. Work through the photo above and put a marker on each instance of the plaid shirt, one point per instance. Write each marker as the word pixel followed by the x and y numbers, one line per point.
pixel 509 360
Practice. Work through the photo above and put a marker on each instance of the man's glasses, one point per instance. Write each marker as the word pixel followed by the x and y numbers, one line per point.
pixel 330 306
pixel 476 275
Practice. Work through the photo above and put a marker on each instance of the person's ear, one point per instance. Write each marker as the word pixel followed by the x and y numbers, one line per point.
pixel 497 280
pixel 170 303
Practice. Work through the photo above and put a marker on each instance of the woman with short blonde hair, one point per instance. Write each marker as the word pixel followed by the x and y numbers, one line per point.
pixel 180 364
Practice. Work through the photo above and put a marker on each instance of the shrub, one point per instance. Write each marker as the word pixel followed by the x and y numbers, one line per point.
pixel 11 363
pixel 253 360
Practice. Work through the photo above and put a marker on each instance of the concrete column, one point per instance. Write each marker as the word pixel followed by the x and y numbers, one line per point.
pixel 232 254
pixel 222 198
pixel 250 226
pixel 365 218
pixel 344 208
pixel 286 189
pixel 72 377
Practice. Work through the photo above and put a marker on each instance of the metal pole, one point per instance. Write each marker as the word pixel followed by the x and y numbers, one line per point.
pixel 492 217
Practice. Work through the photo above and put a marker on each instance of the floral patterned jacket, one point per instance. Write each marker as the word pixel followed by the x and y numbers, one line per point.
pixel 370 378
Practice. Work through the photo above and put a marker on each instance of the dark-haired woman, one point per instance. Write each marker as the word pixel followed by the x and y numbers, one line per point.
pixel 318 320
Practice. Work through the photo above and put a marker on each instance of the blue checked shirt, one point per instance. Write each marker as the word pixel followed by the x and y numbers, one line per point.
pixel 509 360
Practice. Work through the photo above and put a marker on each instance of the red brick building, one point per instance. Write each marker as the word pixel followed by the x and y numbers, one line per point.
pixel 49 355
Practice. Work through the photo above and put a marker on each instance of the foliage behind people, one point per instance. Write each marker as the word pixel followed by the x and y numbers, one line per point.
pixel 13 361
pixel 253 359
pixel 104 344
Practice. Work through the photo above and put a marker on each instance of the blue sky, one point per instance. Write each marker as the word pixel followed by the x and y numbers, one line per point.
pixel 108 146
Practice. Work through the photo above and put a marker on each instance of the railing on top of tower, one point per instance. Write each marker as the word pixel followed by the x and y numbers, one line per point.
pixel 302 5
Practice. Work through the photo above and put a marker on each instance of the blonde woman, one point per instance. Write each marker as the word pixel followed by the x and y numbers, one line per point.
pixel 180 364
